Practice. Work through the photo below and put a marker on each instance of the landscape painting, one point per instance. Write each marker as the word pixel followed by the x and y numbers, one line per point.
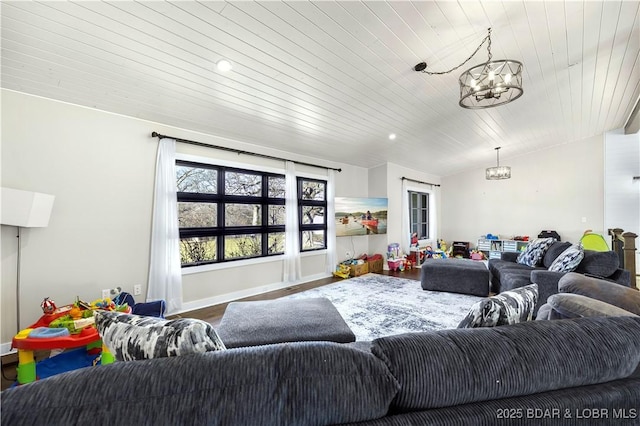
pixel 361 216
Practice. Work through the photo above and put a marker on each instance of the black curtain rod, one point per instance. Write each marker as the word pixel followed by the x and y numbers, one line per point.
pixel 419 181
pixel 237 151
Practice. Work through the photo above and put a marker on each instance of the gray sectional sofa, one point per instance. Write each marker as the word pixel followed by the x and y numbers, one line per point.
pixel 507 274
pixel 581 296
pixel 533 373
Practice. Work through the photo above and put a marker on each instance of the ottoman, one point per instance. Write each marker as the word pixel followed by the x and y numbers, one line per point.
pixel 282 320
pixel 455 276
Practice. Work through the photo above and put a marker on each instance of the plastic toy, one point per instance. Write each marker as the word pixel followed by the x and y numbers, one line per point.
pixel 592 241
pixel 26 344
pixel 342 271
pixel 104 304
pixel 48 306
pixel 76 313
pixel 477 255
pixel 393 251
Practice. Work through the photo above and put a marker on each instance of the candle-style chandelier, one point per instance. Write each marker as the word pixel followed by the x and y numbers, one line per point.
pixel 486 85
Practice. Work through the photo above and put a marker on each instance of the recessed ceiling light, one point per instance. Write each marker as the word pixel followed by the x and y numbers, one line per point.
pixel 223 65
pixel 392 136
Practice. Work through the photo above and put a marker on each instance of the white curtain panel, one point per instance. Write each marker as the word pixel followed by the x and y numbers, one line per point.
pixel 292 269
pixel 331 221
pixel 165 278
pixel 406 233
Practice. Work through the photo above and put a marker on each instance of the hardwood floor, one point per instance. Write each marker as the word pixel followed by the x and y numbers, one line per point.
pixel 212 314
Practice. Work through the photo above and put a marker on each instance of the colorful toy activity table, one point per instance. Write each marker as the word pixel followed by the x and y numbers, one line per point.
pixel 25 345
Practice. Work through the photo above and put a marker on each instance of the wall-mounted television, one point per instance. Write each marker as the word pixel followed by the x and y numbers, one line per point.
pixel 361 216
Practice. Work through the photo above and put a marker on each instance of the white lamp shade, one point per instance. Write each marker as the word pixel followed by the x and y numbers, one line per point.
pixel 25 208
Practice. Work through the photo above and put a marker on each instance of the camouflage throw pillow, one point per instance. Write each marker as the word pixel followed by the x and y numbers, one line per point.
pixel 569 259
pixel 133 337
pixel 510 307
pixel 535 251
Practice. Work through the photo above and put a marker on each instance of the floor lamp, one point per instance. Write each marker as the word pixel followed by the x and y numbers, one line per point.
pixel 24 209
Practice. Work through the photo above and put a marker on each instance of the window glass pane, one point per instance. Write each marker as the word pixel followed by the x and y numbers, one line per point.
pixel 276 243
pixel 236 183
pixel 419 213
pixel 313 190
pixel 276 187
pixel 312 214
pixel 277 215
pixel 198 249
pixel 243 215
pixel 197 215
pixel 312 240
pixel 240 246
pixel 194 179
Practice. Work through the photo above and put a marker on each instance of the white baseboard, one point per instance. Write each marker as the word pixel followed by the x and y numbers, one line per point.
pixel 5 348
pixel 254 291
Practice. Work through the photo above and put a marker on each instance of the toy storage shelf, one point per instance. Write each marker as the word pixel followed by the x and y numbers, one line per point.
pixel 494 248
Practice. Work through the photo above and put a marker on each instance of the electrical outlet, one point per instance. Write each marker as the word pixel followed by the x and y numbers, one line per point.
pixel 137 290
pixel 106 293
pixel 348 254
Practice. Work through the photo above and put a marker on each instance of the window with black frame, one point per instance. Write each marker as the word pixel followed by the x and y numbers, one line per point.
pixel 312 213
pixel 419 214
pixel 228 214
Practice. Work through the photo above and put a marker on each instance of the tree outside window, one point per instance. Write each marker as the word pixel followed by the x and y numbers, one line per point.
pixel 228 214
pixel 312 212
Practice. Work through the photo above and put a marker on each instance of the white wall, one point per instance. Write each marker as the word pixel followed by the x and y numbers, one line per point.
pixel 394 193
pixel 100 167
pixel 560 188
pixel 377 181
pixel 622 193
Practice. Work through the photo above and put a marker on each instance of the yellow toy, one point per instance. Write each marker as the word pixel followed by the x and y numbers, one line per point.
pixel 342 271
pixel 104 304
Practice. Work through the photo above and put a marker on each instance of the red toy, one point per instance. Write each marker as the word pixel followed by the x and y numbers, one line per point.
pixel 48 306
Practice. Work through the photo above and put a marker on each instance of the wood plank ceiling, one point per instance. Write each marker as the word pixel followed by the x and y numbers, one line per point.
pixel 331 80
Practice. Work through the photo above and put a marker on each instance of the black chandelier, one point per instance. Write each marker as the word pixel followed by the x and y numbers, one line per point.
pixel 486 85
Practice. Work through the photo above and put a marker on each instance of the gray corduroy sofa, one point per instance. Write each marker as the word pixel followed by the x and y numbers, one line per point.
pixel 581 296
pixel 506 274
pixel 534 373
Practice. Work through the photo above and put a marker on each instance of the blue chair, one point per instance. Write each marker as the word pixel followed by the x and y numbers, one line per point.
pixel 149 309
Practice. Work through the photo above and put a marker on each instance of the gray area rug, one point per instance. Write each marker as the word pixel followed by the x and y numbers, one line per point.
pixel 376 305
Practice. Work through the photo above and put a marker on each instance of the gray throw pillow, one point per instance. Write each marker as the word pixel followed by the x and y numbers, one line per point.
pixel 534 252
pixel 553 252
pixel 599 263
pixel 133 337
pixel 510 307
pixel 568 260
pixel 578 306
